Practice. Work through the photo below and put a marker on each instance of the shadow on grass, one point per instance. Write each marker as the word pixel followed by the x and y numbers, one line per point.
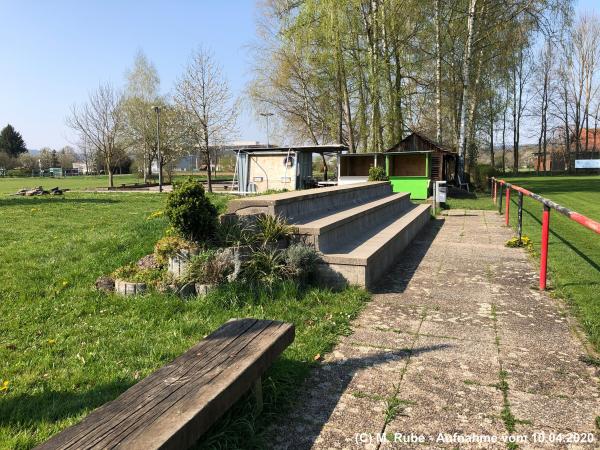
pixel 52 406
pixel 45 200
pixel 575 250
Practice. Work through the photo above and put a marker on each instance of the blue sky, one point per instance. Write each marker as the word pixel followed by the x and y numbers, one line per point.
pixel 55 51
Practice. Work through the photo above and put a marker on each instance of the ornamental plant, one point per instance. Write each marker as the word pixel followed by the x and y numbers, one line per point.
pixel 170 246
pixel 377 174
pixel 191 213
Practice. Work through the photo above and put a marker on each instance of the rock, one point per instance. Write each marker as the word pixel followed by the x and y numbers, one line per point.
pixel 238 255
pixel 203 289
pixel 105 283
pixel 178 263
pixel 187 290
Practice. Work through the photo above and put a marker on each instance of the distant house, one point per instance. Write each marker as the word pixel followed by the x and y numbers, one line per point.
pixel 195 161
pixel 557 159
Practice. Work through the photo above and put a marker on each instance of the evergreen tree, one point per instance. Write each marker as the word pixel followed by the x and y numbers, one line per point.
pixel 12 142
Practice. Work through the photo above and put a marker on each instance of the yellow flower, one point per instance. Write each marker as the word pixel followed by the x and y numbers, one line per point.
pixel 155 215
pixel 51 341
pixel 4 386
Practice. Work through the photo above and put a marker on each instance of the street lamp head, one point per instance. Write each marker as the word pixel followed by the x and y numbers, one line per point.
pixel 156 109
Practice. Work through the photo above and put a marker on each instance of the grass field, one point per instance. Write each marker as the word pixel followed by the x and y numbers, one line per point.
pixel 574 251
pixel 66 348
pixel 10 185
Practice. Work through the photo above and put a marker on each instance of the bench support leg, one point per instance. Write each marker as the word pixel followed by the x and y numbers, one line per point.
pixel 258 394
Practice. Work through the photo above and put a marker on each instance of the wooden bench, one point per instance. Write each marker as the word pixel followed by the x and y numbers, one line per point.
pixel 174 406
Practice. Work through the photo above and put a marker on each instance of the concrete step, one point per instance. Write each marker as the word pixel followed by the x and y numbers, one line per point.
pixel 295 205
pixel 362 261
pixel 326 232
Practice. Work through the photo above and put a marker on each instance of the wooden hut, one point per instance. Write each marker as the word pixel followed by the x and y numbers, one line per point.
pixel 415 162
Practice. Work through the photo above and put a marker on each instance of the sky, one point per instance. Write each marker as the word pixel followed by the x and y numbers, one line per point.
pixel 55 52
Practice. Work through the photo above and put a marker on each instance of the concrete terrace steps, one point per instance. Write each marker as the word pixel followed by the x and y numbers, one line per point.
pixel 326 232
pixel 360 230
pixel 362 261
pixel 295 205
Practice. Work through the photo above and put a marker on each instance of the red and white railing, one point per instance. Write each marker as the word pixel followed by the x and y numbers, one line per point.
pixel 498 186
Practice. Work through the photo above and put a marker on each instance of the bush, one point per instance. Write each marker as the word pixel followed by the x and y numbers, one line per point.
pixel 264 266
pixel 271 229
pixel 301 262
pixel 377 174
pixel 191 213
pixel 209 267
pixel 482 173
pixel 170 246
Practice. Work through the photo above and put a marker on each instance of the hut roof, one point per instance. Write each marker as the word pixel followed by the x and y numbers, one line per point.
pixel 418 142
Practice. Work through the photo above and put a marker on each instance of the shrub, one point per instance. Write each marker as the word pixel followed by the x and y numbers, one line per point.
pixel 482 173
pixel 191 213
pixel 271 229
pixel 301 262
pixel 209 267
pixel 170 246
pixel 264 266
pixel 136 274
pixel 377 173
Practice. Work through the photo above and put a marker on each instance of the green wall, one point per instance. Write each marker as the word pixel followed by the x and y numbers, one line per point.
pixel 417 186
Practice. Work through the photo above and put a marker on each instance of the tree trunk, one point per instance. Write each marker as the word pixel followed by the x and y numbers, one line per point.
pixel 207 154
pixel 438 73
pixel 492 159
pixel 466 74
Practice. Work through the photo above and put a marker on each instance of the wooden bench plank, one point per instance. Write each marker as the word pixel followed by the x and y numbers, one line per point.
pixel 167 398
pixel 131 414
pixel 211 346
pixel 176 404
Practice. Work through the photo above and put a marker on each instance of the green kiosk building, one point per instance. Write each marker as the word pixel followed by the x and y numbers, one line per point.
pixel 411 165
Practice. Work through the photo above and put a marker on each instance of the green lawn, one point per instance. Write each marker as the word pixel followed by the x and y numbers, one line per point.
pixel 10 185
pixel 65 348
pixel 574 251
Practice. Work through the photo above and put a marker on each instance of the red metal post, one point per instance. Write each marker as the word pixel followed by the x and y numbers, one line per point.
pixel 507 212
pixel 544 249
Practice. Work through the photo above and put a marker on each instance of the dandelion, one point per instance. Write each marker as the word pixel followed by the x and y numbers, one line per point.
pixel 51 341
pixel 155 215
pixel 4 386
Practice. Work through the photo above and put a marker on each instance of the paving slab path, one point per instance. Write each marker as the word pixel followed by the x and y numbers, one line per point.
pixel 458 341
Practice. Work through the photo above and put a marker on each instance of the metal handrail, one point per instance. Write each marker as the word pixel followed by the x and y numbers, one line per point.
pixel 548 205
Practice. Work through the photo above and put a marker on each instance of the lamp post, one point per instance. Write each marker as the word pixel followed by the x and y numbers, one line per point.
pixel 267 115
pixel 157 110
